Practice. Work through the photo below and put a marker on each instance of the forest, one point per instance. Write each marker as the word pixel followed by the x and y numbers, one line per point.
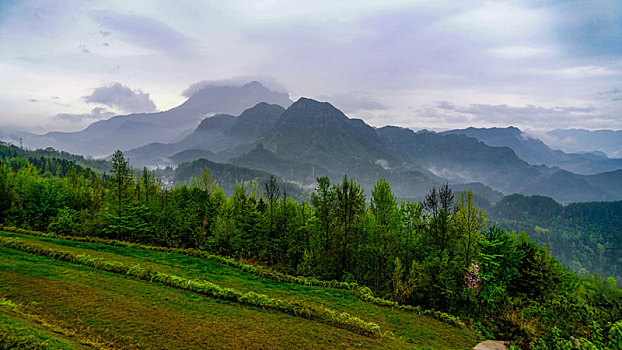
pixel 440 253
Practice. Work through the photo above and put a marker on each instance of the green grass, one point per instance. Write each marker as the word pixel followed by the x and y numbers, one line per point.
pixel 409 329
pixel 23 331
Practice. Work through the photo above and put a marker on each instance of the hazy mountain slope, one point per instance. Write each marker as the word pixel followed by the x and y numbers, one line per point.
pixel 566 187
pixel 263 159
pixel 218 133
pixel 580 140
pixel 464 159
pixel 104 137
pixel 255 121
pixel 536 152
pixel 312 139
pixel 461 158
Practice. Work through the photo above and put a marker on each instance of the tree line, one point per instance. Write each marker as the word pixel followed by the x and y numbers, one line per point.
pixel 439 253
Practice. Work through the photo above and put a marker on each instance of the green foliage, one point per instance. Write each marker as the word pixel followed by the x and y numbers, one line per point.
pixel 583 236
pixel 434 254
pixel 615 336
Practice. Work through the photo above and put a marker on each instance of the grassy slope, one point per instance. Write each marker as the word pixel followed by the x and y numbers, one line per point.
pixel 409 328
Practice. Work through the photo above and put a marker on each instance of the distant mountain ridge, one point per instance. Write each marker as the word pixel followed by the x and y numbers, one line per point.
pixel 312 138
pixel 536 152
pixel 214 134
pixel 134 130
pixel 580 140
pixel 303 140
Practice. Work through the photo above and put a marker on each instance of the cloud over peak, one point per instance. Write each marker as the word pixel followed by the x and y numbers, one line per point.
pixel 122 97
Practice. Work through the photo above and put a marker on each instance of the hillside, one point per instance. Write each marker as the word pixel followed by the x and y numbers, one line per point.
pixel 70 298
pixel 583 236
pixel 228 176
pixel 38 156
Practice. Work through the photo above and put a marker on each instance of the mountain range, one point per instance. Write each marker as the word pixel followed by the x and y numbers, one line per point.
pixel 125 132
pixel 536 152
pixel 253 127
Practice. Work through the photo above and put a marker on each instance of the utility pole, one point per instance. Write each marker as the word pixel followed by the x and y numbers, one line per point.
pixel 21 144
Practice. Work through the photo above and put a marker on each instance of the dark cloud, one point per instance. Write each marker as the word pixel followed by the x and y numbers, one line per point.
pixel 122 97
pixel 97 113
pixel 33 100
pixel 352 103
pixel 145 31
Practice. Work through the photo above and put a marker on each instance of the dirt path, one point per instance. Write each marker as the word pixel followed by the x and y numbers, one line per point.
pixel 491 345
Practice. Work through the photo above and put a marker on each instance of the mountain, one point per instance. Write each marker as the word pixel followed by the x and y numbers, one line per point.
pixel 536 152
pixel 318 133
pixel 313 139
pixel 218 133
pixel 460 158
pixel 566 187
pixel 134 130
pixel 580 140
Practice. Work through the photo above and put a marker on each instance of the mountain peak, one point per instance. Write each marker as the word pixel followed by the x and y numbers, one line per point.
pixel 219 122
pixel 309 109
pixel 318 133
pixel 256 120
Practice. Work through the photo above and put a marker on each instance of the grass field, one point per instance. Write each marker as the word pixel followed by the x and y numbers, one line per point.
pixel 75 306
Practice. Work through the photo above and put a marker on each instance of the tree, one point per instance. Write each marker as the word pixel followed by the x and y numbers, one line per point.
pixel 272 193
pixel 323 201
pixel 441 243
pixel 469 221
pixel 383 204
pixel 148 187
pixel 350 205
pixel 383 230
pixel 121 180
pixel 439 206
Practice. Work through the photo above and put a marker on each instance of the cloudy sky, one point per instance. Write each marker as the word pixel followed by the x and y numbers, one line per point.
pixel 537 65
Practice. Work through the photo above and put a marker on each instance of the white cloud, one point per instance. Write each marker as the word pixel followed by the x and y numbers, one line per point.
pixel 122 97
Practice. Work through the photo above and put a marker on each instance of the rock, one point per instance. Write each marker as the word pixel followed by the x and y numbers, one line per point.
pixel 491 345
